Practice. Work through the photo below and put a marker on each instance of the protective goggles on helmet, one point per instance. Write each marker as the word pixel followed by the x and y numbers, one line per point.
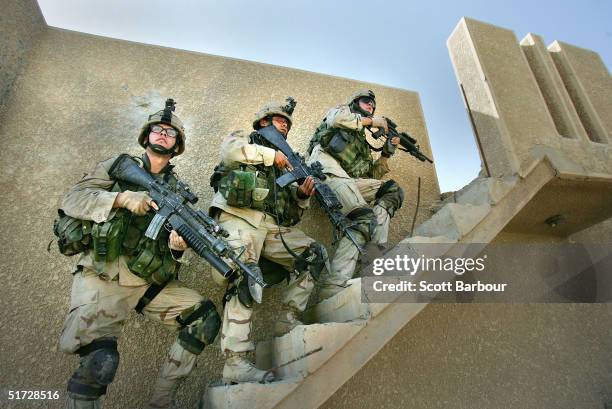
pixel 367 101
pixel 171 132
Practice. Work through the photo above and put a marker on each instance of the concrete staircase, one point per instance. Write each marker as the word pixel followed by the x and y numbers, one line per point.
pixel 349 331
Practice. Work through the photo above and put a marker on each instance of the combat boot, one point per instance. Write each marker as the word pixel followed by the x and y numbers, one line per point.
pixel 239 369
pixel 82 404
pixel 164 393
pixel 287 322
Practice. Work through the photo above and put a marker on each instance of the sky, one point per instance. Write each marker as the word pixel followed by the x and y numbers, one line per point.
pixel 395 43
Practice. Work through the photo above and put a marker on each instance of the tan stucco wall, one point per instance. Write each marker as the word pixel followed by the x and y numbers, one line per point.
pixel 82 99
pixel 20 25
pixel 469 356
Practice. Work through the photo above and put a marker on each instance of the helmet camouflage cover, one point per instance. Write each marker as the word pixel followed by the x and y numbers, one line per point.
pixel 275 108
pixel 165 116
pixel 362 93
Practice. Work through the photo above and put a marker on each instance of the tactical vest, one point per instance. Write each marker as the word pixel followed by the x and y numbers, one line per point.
pixel 348 146
pixel 123 235
pixel 254 186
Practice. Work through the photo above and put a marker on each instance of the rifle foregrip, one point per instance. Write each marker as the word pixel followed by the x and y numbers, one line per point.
pixel 202 250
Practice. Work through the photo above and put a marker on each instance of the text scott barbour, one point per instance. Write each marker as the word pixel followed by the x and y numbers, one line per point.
pixel 411 265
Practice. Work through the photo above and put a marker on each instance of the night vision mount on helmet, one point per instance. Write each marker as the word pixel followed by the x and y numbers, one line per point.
pixel 165 116
pixel 275 109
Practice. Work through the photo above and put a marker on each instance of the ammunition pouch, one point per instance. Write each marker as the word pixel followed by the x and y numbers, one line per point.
pixel 244 188
pixel 73 235
pixel 350 149
pixel 107 238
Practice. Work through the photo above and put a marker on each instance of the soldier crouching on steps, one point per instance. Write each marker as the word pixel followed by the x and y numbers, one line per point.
pixel 259 216
pixel 121 269
pixel 340 145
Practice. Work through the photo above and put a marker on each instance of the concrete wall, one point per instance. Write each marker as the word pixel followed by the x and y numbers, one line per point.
pixel 21 23
pixel 83 99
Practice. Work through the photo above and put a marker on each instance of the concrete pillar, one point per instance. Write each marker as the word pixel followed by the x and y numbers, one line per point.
pixel 551 85
pixel 507 107
pixel 589 85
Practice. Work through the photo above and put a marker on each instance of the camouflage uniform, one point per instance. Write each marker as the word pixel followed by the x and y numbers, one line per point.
pixel 257 231
pixel 104 293
pixel 355 178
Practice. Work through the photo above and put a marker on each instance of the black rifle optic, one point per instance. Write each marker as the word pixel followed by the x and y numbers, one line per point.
pixel 199 230
pixel 325 196
pixel 407 142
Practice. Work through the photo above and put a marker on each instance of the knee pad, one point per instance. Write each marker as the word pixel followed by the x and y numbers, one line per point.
pixel 200 324
pixel 97 368
pixel 390 196
pixel 314 259
pixel 240 288
pixel 364 222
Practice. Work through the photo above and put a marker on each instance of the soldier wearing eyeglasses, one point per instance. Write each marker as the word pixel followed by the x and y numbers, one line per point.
pixel 120 269
pixel 340 145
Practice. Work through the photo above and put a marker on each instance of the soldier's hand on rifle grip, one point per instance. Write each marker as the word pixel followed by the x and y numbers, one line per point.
pixel 389 147
pixel 281 162
pixel 306 189
pixel 138 203
pixel 176 242
pixel 380 122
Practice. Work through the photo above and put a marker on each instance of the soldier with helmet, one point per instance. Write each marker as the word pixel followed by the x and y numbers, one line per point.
pixel 260 217
pixel 120 269
pixel 340 145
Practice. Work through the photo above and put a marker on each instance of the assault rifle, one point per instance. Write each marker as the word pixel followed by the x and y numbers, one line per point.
pixel 407 142
pixel 325 196
pixel 199 230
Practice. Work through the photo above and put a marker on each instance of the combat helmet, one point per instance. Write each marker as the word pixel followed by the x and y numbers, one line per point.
pixel 165 116
pixel 275 108
pixel 354 105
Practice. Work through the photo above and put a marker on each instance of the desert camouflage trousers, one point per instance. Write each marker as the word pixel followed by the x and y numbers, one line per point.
pixel 264 241
pixel 353 194
pixel 98 308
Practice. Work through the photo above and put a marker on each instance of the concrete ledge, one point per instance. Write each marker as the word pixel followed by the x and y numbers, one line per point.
pixel 301 340
pixel 453 220
pixel 345 306
pixel 246 395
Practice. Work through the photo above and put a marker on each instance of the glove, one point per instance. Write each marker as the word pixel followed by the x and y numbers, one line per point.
pixel 380 122
pixel 176 242
pixel 138 203
pixel 388 148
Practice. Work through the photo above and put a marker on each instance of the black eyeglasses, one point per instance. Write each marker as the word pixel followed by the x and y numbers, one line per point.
pixel 171 132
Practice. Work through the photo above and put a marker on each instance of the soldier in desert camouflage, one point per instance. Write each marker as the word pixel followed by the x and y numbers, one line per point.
pixel 340 145
pixel 260 217
pixel 120 270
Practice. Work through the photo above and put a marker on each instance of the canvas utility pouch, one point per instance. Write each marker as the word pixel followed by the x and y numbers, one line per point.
pixel 107 238
pixel 73 235
pixel 243 188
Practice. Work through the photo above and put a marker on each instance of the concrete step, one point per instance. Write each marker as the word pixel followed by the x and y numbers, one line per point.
pixel 482 191
pixel 345 306
pixel 331 337
pixel 247 395
pixel 453 221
